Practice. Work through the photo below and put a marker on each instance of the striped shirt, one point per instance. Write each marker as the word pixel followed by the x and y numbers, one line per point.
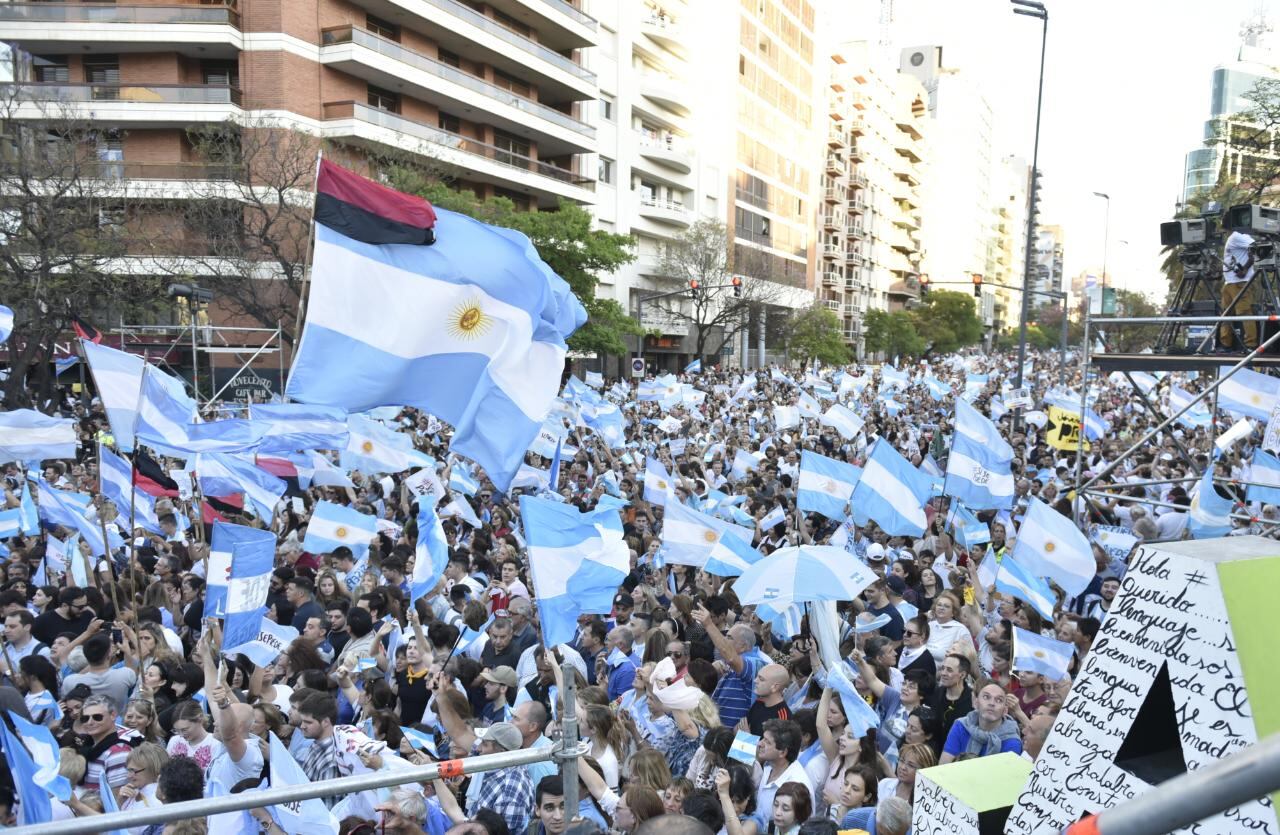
pixel 736 692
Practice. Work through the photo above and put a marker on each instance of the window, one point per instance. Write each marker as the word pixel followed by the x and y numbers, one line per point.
pixel 515 150
pixel 512 24
pixel 221 73
pixel 102 69
pixel 52 70
pixel 606 108
pixel 604 172
pixel 381 27
pixel 449 122
pixel 384 99
pixel 510 82
pixel 444 56
pixel 111 220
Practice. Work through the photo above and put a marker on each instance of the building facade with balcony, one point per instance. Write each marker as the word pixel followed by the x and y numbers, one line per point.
pixel 1011 192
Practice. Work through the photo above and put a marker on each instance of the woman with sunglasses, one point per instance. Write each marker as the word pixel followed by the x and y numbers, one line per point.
pixel 144 766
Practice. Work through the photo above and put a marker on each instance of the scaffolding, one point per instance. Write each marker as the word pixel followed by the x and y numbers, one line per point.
pixel 245 344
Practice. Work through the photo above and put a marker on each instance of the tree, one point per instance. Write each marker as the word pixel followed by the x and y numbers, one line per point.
pixel 948 321
pixel 714 313
pixel 815 333
pixel 1130 339
pixel 1226 193
pixel 65 215
pixel 563 239
pixel 892 334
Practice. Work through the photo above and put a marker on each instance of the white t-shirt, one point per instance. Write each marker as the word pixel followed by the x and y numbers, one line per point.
pixel 1236 254
pixel 204 754
pixel 229 773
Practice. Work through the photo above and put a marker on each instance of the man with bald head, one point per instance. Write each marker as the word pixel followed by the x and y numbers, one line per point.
pixel 769 704
pixel 740 664
pixel 241 757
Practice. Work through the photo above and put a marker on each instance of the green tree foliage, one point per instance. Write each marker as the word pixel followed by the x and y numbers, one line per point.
pixel 1226 194
pixel 892 334
pixel 948 321
pixel 814 333
pixel 563 238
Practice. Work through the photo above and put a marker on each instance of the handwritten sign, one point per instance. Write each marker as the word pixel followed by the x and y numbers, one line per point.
pixel 1167 647
pixel 425 484
pixel 1271 440
pixel 937 812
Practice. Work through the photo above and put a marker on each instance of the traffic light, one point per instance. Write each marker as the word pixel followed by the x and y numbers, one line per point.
pixel 924 286
pixel 977 285
pixel 694 286
pixel 737 287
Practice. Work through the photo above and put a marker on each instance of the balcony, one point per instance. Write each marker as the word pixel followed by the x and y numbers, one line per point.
pixel 665 91
pixel 458 27
pixel 837 138
pixel 858 127
pixel 51 27
pixel 855 153
pixel 858 180
pixel 665 32
pixel 907 287
pixel 907 221
pixel 831 222
pixel 388 64
pixel 856 230
pixel 668 150
pixel 661 210
pixel 831 251
pixel 162 180
pixel 560 25
pixel 833 195
pixel 857 204
pixel 485 163
pixel 153 105
pixel 836 165
pixel 832 305
pixel 909 174
pixel 832 278
pixel 853 258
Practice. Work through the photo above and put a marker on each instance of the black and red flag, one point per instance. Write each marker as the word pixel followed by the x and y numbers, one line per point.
pixel 84 330
pixel 370 212
pixel 151 478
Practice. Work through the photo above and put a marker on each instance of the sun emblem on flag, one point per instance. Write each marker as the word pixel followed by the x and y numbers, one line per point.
pixel 468 320
pixel 709 536
pixel 1039 653
pixel 662 485
pixel 341 532
pixel 829 486
pixel 1049 547
pixel 366 447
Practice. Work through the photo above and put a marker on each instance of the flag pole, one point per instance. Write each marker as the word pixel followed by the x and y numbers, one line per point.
pixel 133 539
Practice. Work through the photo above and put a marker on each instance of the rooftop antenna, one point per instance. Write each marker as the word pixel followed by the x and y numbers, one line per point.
pixel 1255 29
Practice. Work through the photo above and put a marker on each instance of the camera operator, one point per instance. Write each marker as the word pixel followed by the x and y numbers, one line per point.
pixel 1238 290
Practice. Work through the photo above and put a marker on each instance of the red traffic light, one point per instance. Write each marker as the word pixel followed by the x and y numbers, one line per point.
pixel 693 284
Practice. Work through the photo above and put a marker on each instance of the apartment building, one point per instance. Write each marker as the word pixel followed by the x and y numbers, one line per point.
pixel 1012 184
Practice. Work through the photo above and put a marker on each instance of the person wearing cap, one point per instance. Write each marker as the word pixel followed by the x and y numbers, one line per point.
pixel 498 687
pixel 878 603
pixel 507 791
pixel 876 558
pixel 897 588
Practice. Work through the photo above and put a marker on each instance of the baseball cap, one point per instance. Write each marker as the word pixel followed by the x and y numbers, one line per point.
pixel 623 601
pixel 875 551
pixel 503 675
pixel 896 584
pixel 504 735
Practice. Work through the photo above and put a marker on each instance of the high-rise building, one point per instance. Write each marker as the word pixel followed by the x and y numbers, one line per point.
pixel 886 116
pixel 1232 150
pixel 1047 265
pixel 1010 193
pixel 960 211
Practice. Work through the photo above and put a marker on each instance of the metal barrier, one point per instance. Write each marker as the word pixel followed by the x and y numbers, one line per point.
pixel 566 752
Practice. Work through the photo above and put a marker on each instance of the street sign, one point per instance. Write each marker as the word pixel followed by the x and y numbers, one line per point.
pixel 637 366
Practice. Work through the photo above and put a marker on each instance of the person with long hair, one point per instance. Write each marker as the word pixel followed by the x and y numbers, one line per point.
pixel 140 715
pixel 157 685
pixel 329 588
pixel 911 759
pixel 792 806
pixel 39 685
pixel 647 767
pixel 637 805
pixel 267 718
pixel 737 795
pixel 857 792
pixel 927 589
pixel 691 728
pixel 844 752
pixel 944 629
pixel 608 742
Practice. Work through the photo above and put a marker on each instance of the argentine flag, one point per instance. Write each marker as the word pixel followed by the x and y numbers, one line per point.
pixel 10 523
pixel 657 483
pixel 222 475
pixel 1038 654
pixel 60 507
pixel 1248 393
pixel 118 378
pixel 167 421
pixel 1210 513
pixel 226 539
pixel 373 448
pixel 694 367
pixel 115 477
pixel 891 492
pixel 301 817
pixel 970 531
pixel 892 378
pixel 333 525
pixel 471 329
pixel 843 420
pixel 1265 471
pixel 1198 417
pixel 576 561
pixel 1050 545
pixel 461 479
pixel 28 435
pixel 825 484
pixel 978 471
pixel 1016 581
pixel 291 427
pixel 690 538
pixel 252 560
pixel 938 390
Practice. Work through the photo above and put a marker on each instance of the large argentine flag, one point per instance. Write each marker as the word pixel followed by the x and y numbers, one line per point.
pixel 115 477
pixel 28 435
pixel 693 538
pixel 471 329
pixel 825 484
pixel 167 415
pixel 577 560
pixel 978 471
pixel 333 525
pixel 1050 545
pixel 290 427
pixel 891 492
pixel 843 420
pixel 118 377
pixel 1248 393
pixel 1016 581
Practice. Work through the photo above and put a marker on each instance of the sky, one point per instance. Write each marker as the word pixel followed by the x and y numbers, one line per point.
pixel 1126 95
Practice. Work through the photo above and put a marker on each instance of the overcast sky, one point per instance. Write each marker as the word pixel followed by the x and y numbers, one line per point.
pixel 1126 94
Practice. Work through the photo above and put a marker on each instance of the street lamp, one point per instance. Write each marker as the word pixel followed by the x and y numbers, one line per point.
pixel 194 295
pixel 1030 8
pixel 1106 236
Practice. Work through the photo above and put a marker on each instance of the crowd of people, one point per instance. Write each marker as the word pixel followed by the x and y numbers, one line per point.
pixel 128 673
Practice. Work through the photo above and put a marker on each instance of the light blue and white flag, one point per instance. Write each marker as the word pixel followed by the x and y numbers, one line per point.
pixel 969 530
pixel 419 739
pixel 333 525
pixel 1016 581
pixel 223 545
pixel 861 716
pixel 10 523
pixel 304 817
pixel 773 518
pixel 1050 545
pixel 323 473
pixel 30 516
pixel 462 509
pixel 657 483
pixel 743 463
pixel 825 484
pixel 63 364
pixel 694 367
pixel 576 562
pixel 594 379
pixel 167 421
pixel 979 468
pixel 1210 513
pixel 291 427
pixel 432 553
pixel 115 477
pixel 1265 473
pixel 471 329
pixel 461 479
pixel 843 420
pixel 34 806
pixel 938 390
pixel 1038 654
pixel 46 756
pixel 267 642
pixel 28 435
pixel 892 378
pixel 6 323
pixel 1248 393
pixel 252 561
pixel 61 507
pixel 222 475
pixel 374 449
pixel 891 492
pixel 690 537
pixel 1197 417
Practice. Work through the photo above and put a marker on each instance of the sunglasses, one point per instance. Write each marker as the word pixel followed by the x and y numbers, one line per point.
pixel 674 654
pixel 910 633
pixel 93 717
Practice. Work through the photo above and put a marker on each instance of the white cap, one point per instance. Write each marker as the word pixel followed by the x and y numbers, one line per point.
pixel 875 551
